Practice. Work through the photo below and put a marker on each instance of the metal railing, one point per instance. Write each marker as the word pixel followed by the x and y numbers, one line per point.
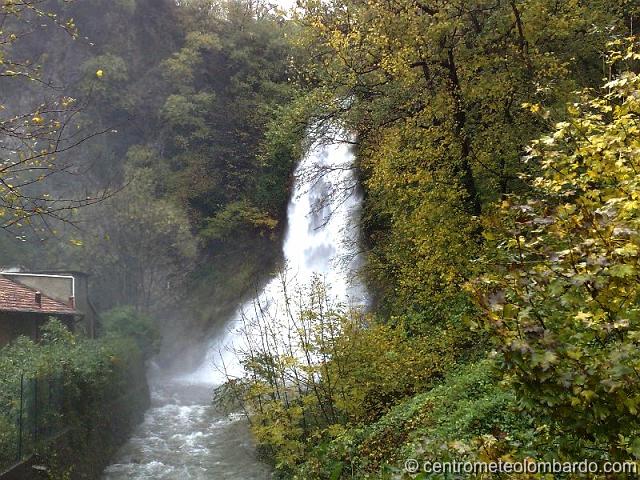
pixel 30 414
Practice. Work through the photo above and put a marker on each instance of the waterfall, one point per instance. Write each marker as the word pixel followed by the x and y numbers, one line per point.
pixel 183 435
pixel 320 240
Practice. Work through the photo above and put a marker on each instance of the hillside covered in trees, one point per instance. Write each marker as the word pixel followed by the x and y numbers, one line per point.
pixel 497 149
pixel 171 107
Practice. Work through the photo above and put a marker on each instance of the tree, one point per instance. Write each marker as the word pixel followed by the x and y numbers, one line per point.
pixel 139 248
pixel 562 298
pixel 32 139
pixel 313 366
pixel 434 92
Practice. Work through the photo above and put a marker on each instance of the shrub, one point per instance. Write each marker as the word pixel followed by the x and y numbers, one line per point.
pixel 469 416
pixel 72 379
pixel 563 298
pixel 316 369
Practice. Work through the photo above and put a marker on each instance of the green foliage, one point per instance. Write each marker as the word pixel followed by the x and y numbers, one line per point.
pixel 435 94
pixel 127 322
pixel 379 365
pixel 90 373
pixel 281 150
pixel 140 247
pixel 316 370
pixel 185 95
pixel 433 90
pixel 207 102
pixel 468 417
pixel 233 217
pixel 562 295
pixel 423 235
pixel 184 113
pixel 227 82
pixel 105 75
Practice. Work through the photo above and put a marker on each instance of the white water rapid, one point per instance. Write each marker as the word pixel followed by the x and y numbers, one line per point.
pixel 183 436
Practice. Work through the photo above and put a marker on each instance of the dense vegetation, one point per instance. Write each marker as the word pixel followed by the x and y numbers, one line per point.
pixel 500 218
pixel 83 393
pixel 553 370
pixel 190 190
pixel 497 148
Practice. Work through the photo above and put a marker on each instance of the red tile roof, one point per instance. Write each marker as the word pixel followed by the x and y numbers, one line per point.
pixel 15 297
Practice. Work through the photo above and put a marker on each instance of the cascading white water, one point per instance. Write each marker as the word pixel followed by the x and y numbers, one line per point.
pixel 183 436
pixel 321 240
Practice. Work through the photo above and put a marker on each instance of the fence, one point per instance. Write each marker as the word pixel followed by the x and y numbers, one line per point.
pixel 30 414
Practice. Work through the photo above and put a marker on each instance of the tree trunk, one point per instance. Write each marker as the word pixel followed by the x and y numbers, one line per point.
pixel 463 165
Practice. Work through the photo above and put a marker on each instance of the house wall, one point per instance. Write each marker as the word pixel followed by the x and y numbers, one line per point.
pixel 83 304
pixel 58 288
pixel 14 324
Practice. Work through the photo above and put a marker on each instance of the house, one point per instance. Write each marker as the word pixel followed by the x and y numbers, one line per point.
pixel 28 300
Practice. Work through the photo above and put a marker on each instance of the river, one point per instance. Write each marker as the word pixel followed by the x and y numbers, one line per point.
pixel 184 437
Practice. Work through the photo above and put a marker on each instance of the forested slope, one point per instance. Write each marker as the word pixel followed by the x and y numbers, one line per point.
pixel 497 149
pixel 175 102
pixel 500 240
